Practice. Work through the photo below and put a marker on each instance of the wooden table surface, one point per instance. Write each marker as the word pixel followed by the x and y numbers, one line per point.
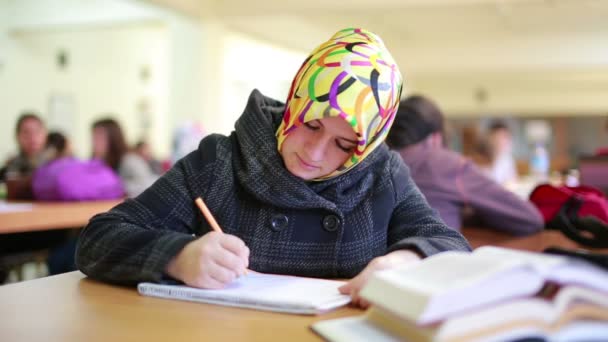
pixel 69 307
pixel 52 215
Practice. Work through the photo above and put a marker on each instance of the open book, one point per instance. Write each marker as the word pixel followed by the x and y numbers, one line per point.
pixel 450 283
pixel 261 291
pixel 572 314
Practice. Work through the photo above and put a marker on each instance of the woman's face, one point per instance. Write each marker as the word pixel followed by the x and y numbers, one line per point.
pixel 501 142
pixel 31 137
pixel 100 143
pixel 318 147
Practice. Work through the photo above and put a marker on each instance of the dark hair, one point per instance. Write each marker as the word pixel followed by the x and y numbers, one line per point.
pixel 26 116
pixel 417 118
pixel 57 141
pixel 141 143
pixel 498 125
pixel 117 147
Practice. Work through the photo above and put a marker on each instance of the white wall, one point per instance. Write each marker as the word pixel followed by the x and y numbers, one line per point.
pixel 249 64
pixel 109 43
pixel 199 70
pixel 43 14
pixel 102 76
pixel 523 95
pixel 185 70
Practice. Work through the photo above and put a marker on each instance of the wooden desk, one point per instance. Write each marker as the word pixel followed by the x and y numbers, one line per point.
pixel 52 215
pixel 70 308
pixel 537 242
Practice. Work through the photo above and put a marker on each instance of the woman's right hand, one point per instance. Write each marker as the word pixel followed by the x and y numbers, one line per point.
pixel 210 262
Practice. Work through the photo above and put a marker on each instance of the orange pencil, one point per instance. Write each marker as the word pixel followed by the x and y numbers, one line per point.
pixel 207 213
pixel 203 207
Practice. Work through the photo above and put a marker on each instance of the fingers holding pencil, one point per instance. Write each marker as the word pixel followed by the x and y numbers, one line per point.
pixel 232 243
pixel 210 261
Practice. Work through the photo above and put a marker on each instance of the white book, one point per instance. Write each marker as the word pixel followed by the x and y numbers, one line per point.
pixel 375 326
pixel 269 292
pixel 450 283
pixel 572 313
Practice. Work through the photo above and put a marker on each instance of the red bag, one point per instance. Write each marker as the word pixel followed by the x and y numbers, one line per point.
pixel 581 212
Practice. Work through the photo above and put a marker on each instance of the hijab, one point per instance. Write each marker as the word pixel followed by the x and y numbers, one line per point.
pixel 352 76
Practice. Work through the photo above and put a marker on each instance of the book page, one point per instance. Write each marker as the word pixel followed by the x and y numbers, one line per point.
pixel 542 263
pixel 541 311
pixel 448 271
pixel 352 329
pixel 555 268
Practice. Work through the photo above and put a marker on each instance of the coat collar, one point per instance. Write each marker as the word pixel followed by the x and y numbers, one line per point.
pixel 259 167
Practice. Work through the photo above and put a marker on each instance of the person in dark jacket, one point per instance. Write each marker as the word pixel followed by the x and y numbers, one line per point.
pixel 304 188
pixel 31 136
pixel 449 181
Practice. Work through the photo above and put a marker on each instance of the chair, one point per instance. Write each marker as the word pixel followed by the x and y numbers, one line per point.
pixel 17 261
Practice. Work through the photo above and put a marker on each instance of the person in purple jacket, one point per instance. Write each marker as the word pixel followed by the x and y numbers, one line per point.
pixel 64 177
pixel 451 183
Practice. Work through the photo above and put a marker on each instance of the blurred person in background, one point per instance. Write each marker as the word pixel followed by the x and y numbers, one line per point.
pixel 186 138
pixel 603 151
pixel 109 145
pixel 450 182
pixel 500 142
pixel 30 133
pixel 143 149
pixel 56 146
pixel 64 177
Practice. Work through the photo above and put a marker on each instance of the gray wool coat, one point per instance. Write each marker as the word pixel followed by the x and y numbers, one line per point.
pixel 328 229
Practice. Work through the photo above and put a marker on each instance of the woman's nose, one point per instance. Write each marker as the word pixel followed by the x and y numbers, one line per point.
pixel 315 148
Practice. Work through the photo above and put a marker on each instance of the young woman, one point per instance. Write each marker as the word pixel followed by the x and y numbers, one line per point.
pixel 109 145
pixel 307 188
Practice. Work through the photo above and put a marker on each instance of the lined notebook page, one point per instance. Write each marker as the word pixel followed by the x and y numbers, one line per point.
pixel 260 291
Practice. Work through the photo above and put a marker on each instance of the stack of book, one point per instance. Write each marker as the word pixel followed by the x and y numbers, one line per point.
pixel 492 294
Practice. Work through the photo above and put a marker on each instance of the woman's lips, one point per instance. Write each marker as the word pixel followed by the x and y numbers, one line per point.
pixel 306 165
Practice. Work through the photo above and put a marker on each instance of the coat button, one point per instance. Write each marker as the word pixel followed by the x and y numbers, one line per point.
pixel 278 222
pixel 331 223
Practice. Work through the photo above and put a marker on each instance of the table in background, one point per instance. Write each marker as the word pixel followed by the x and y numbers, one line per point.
pixel 536 242
pixel 69 307
pixel 51 215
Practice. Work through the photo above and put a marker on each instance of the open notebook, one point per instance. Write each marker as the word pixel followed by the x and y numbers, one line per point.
pixel 269 292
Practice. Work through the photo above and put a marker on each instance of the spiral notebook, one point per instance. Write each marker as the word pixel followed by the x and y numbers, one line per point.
pixel 268 292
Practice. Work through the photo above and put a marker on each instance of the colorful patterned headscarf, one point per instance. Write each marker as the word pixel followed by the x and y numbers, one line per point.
pixel 352 76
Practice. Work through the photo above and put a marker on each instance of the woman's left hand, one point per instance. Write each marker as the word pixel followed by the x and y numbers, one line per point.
pixel 391 260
